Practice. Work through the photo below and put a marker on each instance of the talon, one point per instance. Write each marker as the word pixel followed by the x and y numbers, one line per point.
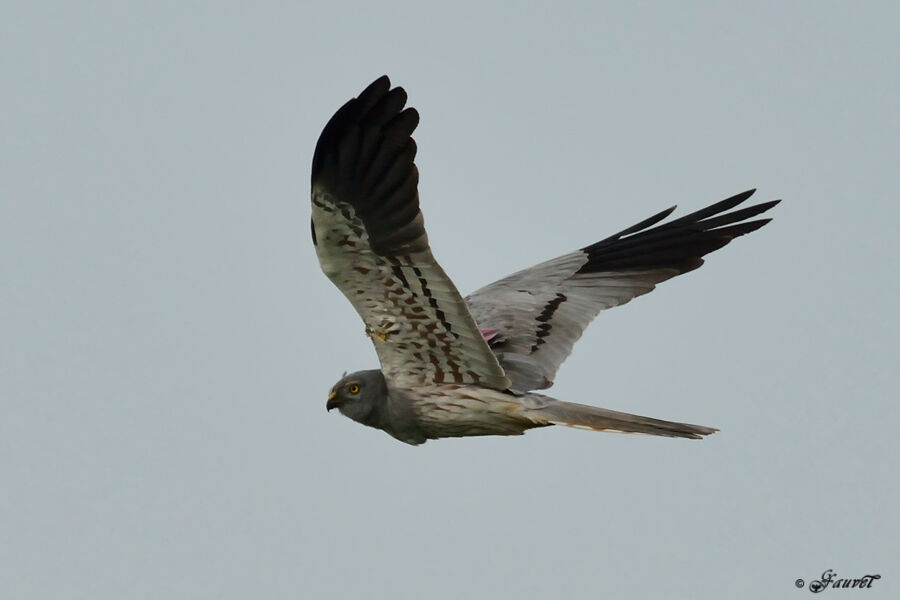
pixel 371 333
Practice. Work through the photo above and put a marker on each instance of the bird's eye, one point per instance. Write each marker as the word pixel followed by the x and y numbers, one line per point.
pixel 353 388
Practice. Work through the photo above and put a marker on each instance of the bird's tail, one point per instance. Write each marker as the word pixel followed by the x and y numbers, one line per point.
pixel 556 412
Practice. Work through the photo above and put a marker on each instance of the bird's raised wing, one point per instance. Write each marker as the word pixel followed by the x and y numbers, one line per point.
pixel 533 318
pixel 370 239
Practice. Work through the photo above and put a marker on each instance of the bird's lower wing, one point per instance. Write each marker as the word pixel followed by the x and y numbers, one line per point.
pixel 534 317
pixel 371 242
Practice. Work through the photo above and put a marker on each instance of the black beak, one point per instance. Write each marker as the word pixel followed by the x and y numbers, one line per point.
pixel 333 401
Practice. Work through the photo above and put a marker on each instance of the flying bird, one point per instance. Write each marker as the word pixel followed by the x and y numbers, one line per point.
pixel 454 366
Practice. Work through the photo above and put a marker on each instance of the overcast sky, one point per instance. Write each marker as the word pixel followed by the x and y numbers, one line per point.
pixel 168 340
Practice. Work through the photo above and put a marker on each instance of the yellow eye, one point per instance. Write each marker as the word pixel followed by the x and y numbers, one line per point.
pixel 353 388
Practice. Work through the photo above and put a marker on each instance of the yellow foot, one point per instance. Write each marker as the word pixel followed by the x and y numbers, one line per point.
pixel 371 333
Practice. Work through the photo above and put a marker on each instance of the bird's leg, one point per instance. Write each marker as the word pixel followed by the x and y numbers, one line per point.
pixel 372 334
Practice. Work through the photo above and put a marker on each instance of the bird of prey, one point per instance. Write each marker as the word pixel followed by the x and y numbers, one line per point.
pixel 454 366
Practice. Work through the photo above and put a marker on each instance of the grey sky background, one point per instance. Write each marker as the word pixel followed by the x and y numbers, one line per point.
pixel 168 339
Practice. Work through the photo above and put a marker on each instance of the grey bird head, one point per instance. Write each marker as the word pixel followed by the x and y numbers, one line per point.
pixel 360 396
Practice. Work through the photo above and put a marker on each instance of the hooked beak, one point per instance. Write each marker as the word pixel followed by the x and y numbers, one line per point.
pixel 333 402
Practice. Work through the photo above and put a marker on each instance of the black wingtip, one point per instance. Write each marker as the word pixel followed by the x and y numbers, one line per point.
pixel 679 244
pixel 713 209
pixel 345 117
pixel 379 87
pixel 745 228
pixel 649 221
pixel 365 157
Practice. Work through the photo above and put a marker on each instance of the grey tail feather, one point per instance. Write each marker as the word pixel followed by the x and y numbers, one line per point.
pixel 582 416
